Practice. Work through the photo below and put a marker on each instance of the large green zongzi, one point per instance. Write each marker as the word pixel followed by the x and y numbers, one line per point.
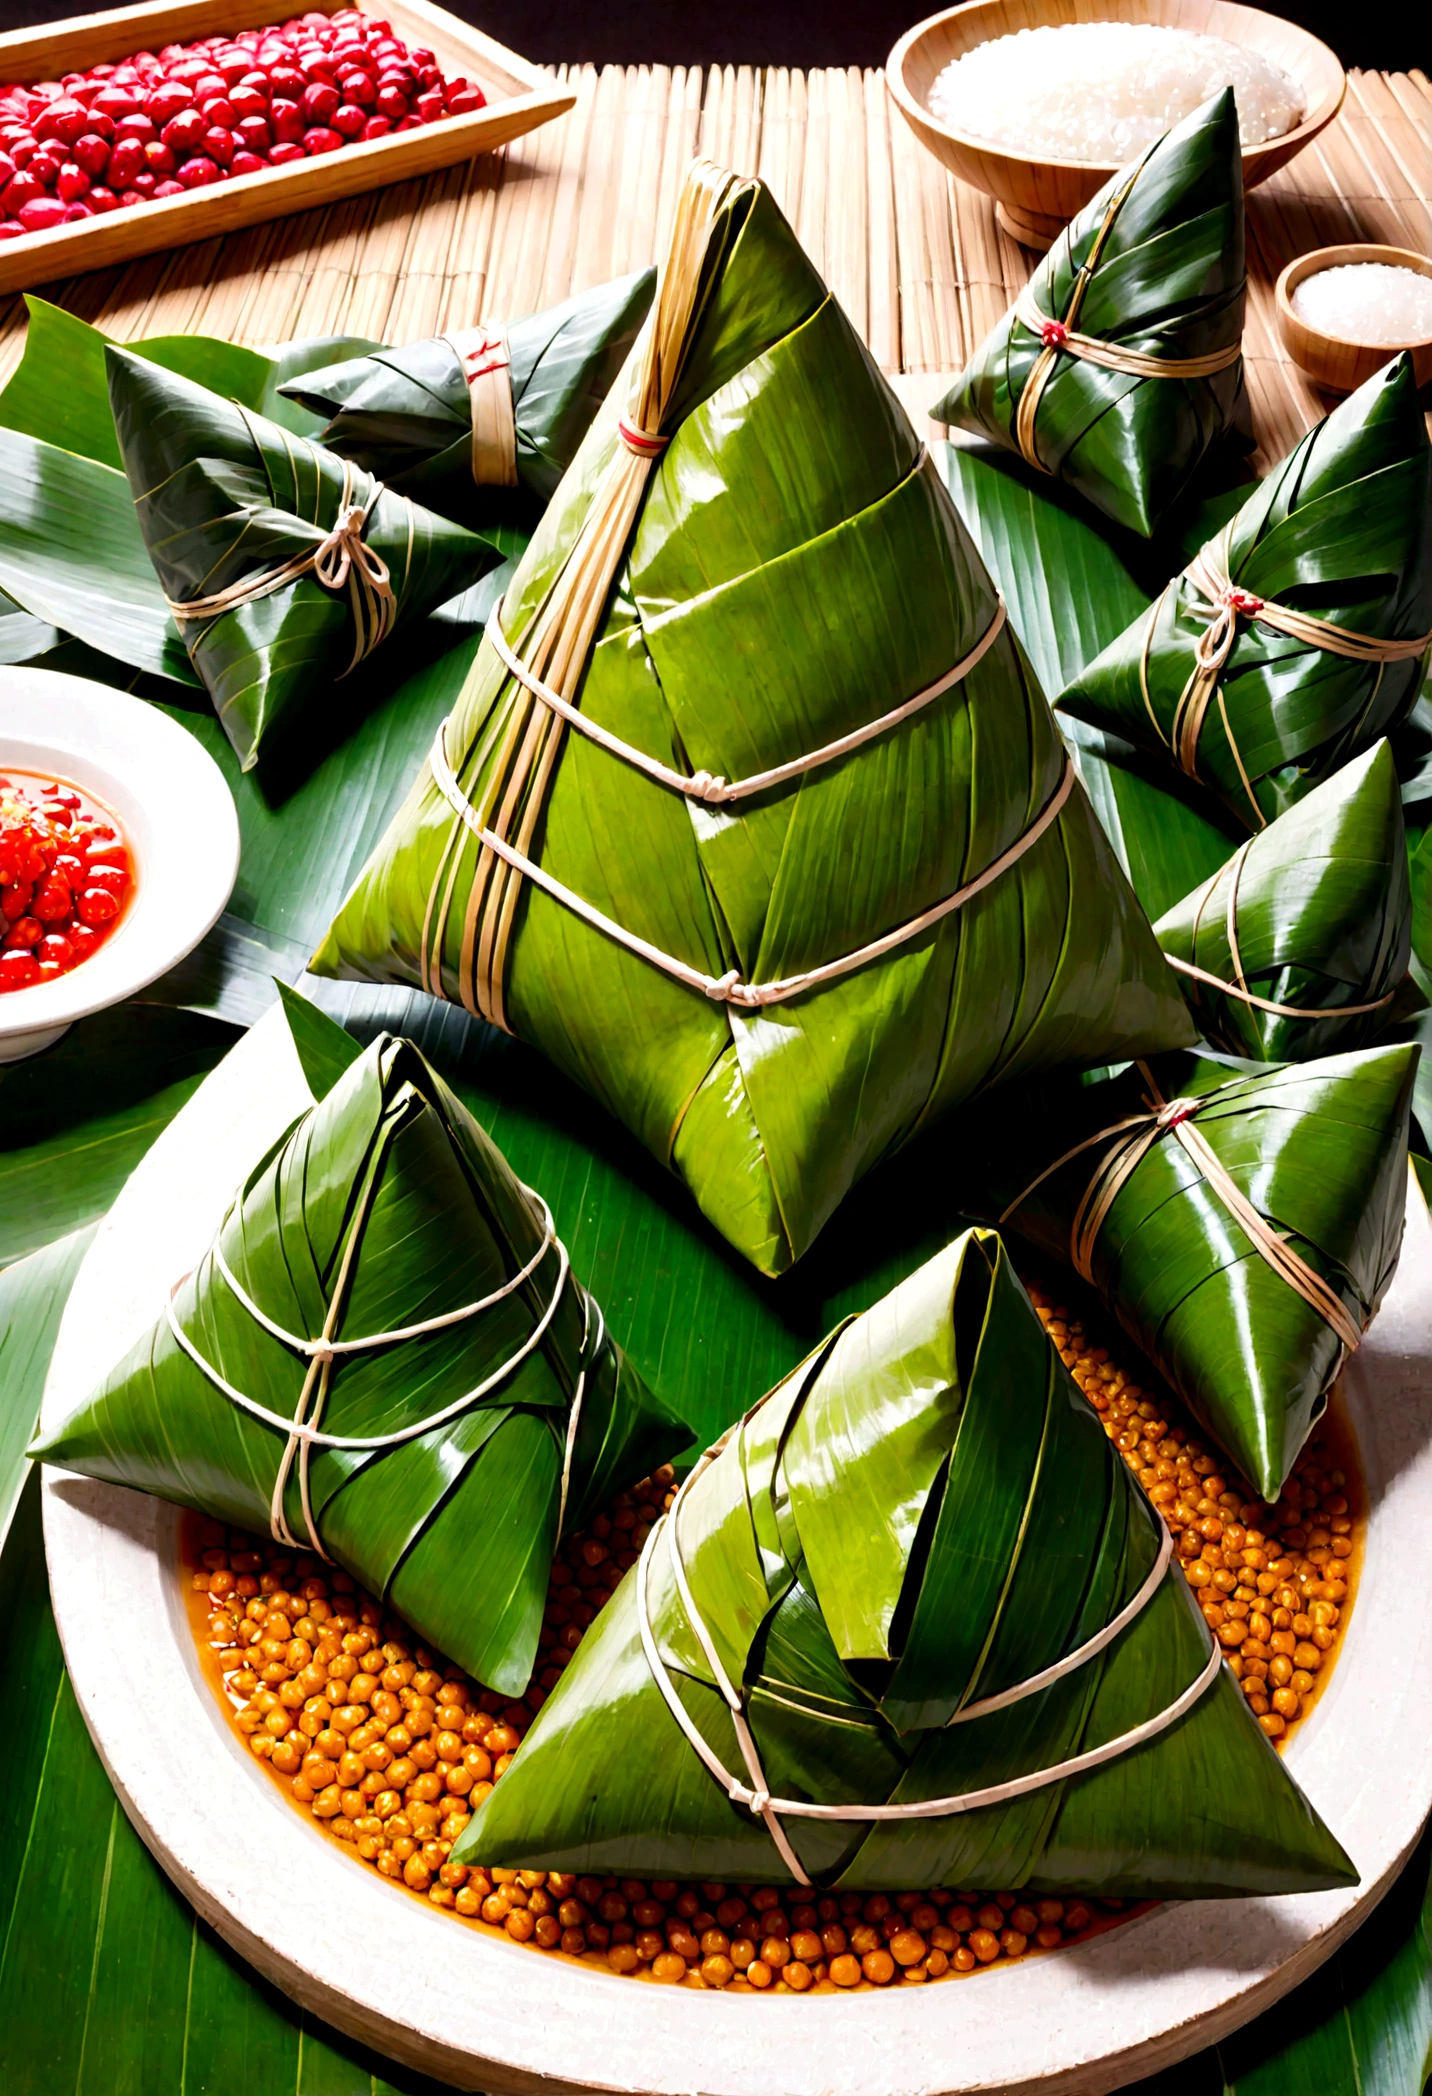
pixel 811 865
pixel 1296 947
pixel 284 565
pixel 1297 636
pixel 384 1356
pixel 1120 363
pixel 460 421
pixel 1243 1228
pixel 912 1623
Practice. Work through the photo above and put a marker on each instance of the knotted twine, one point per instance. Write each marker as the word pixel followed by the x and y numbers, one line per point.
pixel 755 1794
pixel 302 1431
pixel 1130 1141
pixel 1061 338
pixel 1239 986
pixel 1208 573
pixel 341 558
pixel 486 360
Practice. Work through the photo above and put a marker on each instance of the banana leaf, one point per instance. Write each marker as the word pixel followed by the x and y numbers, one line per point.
pixel 405 415
pixel 385 1206
pixel 923 1518
pixel 1342 529
pixel 1323 920
pixel 1166 280
pixel 224 496
pixel 1320 1151
pixel 797 571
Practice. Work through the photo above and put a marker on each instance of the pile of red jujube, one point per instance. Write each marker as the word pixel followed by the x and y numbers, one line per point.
pixel 192 114
pixel 65 876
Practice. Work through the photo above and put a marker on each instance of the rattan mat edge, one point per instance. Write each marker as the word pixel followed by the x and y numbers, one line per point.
pixel 914 256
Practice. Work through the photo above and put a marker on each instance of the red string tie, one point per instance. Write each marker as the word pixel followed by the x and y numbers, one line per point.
pixel 1054 334
pixel 1242 601
pixel 644 442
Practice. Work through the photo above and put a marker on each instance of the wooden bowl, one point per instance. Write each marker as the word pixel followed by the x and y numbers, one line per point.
pixel 1329 360
pixel 1035 199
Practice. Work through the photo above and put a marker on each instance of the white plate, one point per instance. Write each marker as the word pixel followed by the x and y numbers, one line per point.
pixel 484 2014
pixel 177 814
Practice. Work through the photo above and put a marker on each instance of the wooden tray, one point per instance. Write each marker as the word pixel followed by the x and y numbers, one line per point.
pixel 520 96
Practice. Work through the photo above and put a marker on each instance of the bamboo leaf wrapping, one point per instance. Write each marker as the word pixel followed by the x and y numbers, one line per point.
pixel 1318 1148
pixel 405 414
pixel 224 495
pixel 797 571
pixel 1341 529
pixel 455 1528
pixel 1167 281
pixel 924 1516
pixel 1322 921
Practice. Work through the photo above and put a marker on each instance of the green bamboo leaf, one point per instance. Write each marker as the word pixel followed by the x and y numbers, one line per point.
pixel 33 1294
pixel 1321 916
pixel 849 1700
pixel 387 1207
pixel 791 535
pixel 113 1986
pixel 75 1120
pixel 1341 529
pixel 1318 1148
pixel 225 496
pixel 405 415
pixel 1167 280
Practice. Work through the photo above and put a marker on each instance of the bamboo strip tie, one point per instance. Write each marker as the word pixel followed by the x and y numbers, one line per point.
pixel 755 1794
pixel 485 357
pixel 1130 1141
pixel 1060 337
pixel 1239 987
pixel 1208 573
pixel 341 559
pixel 302 1431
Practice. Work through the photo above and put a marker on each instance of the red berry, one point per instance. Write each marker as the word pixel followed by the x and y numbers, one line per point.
pixel 166 102
pixel 199 172
pixel 65 120
pixel 392 103
pixel 285 152
pixel 11 229
pixel 249 101
pixel 321 140
pixel 102 199
pixel 287 121
pixel 376 127
pixel 7 170
pixel 52 904
pixel 140 128
pixel 429 105
pixel 95 907
pixel 56 947
pixel 45 166
pixel 15 901
pixel 28 931
pixel 246 163
pixel 116 103
pixel 19 190
pixel 18 970
pixel 72 184
pixel 83 940
pixel 349 119
pixel 183 133
pixel 158 159
pixel 465 101
pixel 319 102
pixel 219 113
pixel 359 87
pixel 287 80
pixel 145 185
pixel 220 145
pixel 92 153
pixel 208 86
pixel 125 162
pixel 255 133
pixel 168 188
pixel 41 213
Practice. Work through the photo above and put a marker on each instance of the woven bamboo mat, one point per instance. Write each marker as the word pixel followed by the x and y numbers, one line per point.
pixel 914 256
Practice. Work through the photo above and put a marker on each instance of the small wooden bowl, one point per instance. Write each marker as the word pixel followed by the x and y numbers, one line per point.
pixel 1330 361
pixel 1035 199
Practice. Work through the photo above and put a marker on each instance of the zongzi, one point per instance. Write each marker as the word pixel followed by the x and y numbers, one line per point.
pixel 811 865
pixel 1296 947
pixel 911 1623
pixel 384 1357
pixel 1296 638
pixel 460 421
pixel 284 565
pixel 1120 363
pixel 1243 1228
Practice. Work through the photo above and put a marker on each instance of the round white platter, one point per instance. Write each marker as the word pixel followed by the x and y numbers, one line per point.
pixel 178 817
pixel 484 2014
